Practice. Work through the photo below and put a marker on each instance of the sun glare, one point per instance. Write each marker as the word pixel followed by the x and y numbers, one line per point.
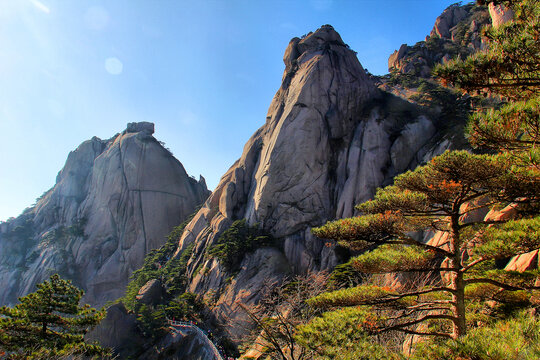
pixel 114 66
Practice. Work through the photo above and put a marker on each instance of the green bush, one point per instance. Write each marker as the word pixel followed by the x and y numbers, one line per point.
pixel 183 307
pixel 152 322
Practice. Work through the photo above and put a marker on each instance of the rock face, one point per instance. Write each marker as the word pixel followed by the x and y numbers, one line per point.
pixel 500 14
pixel 330 139
pixel 180 345
pixel 113 202
pixel 447 20
pixel 118 331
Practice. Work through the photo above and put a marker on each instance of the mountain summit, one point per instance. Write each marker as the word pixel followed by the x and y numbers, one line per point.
pixel 331 137
pixel 113 202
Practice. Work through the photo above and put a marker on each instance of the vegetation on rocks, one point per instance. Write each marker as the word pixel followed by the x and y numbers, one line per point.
pixel 175 303
pixel 160 264
pixel 238 240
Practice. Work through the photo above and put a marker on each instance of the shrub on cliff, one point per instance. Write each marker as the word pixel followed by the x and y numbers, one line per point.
pixel 238 240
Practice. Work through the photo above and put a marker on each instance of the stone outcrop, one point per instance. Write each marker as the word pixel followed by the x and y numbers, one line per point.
pixel 457 32
pixel 396 56
pixel 500 14
pixel 113 202
pixel 151 293
pixel 330 139
pixel 450 17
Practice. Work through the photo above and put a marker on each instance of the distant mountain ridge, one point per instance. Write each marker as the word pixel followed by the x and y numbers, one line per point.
pixel 113 201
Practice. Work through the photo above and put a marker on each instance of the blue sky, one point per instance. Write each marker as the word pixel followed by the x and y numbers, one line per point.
pixel 203 71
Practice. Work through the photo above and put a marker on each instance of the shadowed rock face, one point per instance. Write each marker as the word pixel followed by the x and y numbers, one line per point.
pixel 118 331
pixel 179 345
pixel 330 139
pixel 113 202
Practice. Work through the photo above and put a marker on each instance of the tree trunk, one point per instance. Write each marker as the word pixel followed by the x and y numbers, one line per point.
pixel 457 282
pixel 460 326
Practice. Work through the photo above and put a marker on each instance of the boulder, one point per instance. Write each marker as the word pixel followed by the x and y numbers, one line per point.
pixel 524 262
pixel 118 331
pixel 145 127
pixel 151 293
pixel 181 344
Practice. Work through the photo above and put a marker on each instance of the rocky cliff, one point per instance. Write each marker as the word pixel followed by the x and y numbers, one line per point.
pixel 113 202
pixel 331 137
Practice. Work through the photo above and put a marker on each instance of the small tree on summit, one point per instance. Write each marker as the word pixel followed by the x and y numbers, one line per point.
pixel 49 322
pixel 438 197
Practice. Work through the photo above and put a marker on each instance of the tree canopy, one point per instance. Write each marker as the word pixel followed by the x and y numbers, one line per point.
pixel 48 321
pixel 441 196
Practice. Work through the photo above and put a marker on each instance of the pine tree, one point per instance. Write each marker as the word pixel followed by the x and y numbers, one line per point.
pixel 48 321
pixel 439 197
pixel 442 194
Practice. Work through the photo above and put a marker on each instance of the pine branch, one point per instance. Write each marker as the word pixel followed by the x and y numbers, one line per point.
pixel 416 309
pixel 474 263
pixel 420 292
pixel 418 270
pixel 412 332
pixel 500 284
pixel 482 222
pixel 400 327
pixel 411 241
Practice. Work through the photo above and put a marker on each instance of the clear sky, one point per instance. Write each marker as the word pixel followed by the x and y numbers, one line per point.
pixel 203 71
